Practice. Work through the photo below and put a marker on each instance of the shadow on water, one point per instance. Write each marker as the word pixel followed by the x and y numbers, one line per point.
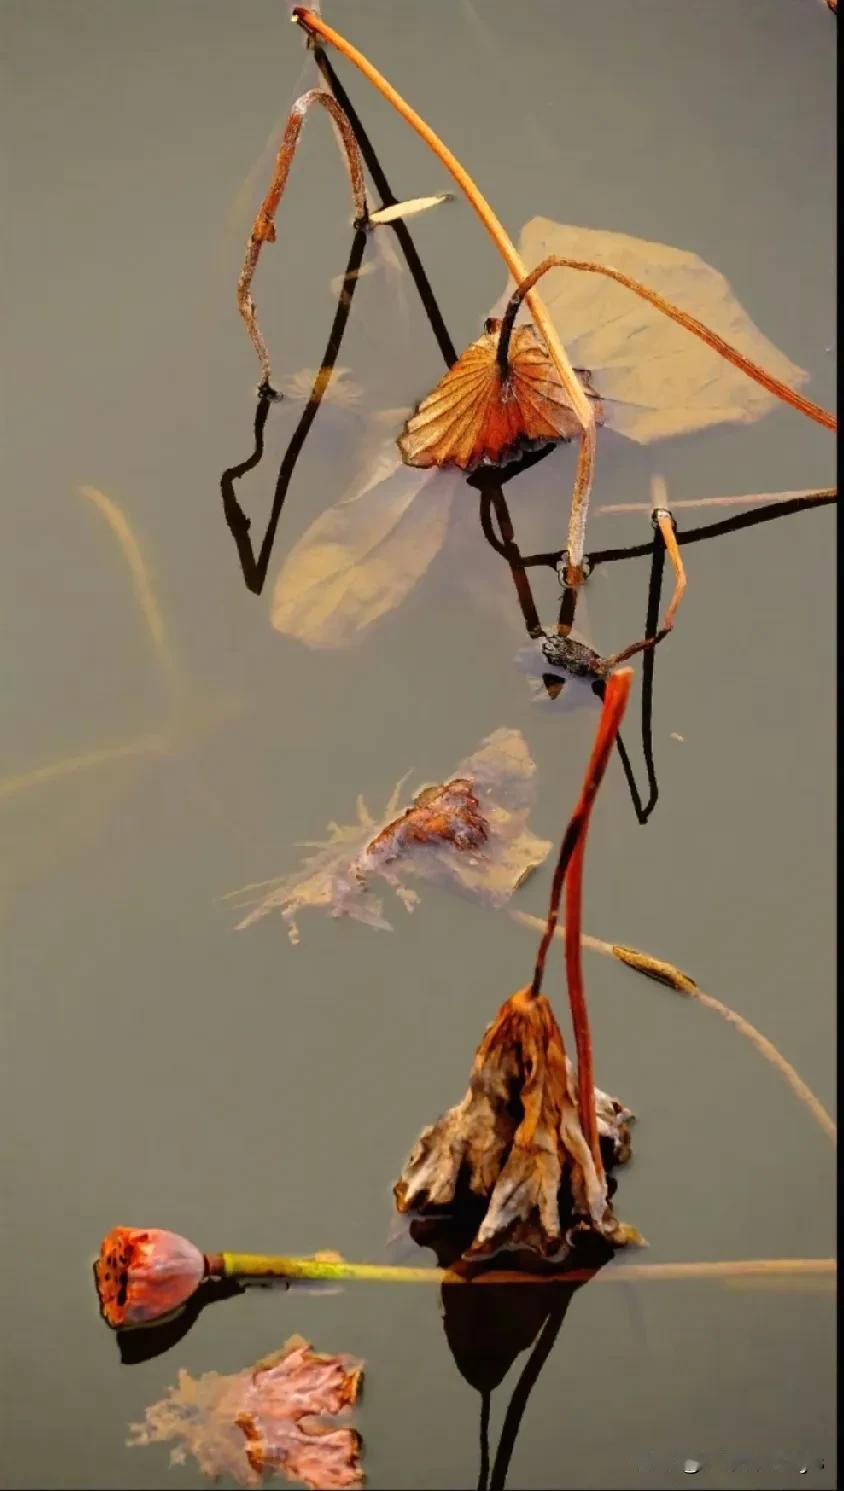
pixel 488 1328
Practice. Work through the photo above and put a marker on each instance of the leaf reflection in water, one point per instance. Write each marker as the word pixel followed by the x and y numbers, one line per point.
pixel 360 559
pixel 470 831
pixel 279 1416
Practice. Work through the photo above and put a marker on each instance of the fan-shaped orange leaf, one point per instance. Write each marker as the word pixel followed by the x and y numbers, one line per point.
pixel 477 416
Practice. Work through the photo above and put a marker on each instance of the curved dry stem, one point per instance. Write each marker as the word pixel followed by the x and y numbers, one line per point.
pixel 689 323
pixel 315 26
pixel 666 973
pixel 263 228
pixel 665 523
pixel 653 969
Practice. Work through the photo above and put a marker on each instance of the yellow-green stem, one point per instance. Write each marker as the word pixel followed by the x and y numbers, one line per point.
pixel 256 1266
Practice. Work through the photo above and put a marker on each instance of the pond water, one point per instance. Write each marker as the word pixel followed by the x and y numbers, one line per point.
pixel 160 1069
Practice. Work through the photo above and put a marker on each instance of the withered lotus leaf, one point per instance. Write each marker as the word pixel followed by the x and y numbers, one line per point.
pixel 475 416
pixel 654 379
pixel 516 1140
pixel 278 1416
pixel 470 831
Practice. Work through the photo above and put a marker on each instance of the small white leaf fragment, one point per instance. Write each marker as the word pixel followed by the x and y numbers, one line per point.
pixel 410 208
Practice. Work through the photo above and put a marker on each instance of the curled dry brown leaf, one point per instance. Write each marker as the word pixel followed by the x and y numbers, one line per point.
pixel 516 1141
pixel 278 1416
pixel 653 378
pixel 470 831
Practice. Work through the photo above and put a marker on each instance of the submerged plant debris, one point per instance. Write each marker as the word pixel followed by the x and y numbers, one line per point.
pixel 515 1140
pixel 653 378
pixel 470 831
pixel 279 1416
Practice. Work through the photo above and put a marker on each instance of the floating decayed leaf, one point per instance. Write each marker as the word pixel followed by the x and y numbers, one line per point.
pixel 654 379
pixel 268 1418
pixel 470 831
pixel 360 558
pixel 475 416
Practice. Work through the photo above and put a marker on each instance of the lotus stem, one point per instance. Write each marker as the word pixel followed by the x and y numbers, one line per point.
pixel 315 26
pixel 263 228
pixel 145 1275
pixel 615 703
pixel 689 323
pixel 615 700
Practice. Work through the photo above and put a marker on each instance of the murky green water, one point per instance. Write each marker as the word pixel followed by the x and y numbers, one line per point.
pixel 159 1069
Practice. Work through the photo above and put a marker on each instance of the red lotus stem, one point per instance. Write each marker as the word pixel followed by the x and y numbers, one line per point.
pixel 615 703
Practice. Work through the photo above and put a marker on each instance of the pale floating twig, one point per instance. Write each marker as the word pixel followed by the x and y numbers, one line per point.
pixel 411 208
pixel 652 969
pixel 263 228
pixel 752 499
pixel 666 973
pixel 315 26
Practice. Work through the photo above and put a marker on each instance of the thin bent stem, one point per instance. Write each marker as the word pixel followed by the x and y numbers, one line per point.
pixel 665 523
pixel 689 323
pixel 263 228
pixel 663 972
pixel 580 404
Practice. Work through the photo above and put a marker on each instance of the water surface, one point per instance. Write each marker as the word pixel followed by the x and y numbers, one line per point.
pixel 160 1069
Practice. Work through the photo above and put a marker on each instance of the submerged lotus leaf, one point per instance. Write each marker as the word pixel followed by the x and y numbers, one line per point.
pixel 269 1418
pixel 360 558
pixel 470 831
pixel 654 378
pixel 516 1141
